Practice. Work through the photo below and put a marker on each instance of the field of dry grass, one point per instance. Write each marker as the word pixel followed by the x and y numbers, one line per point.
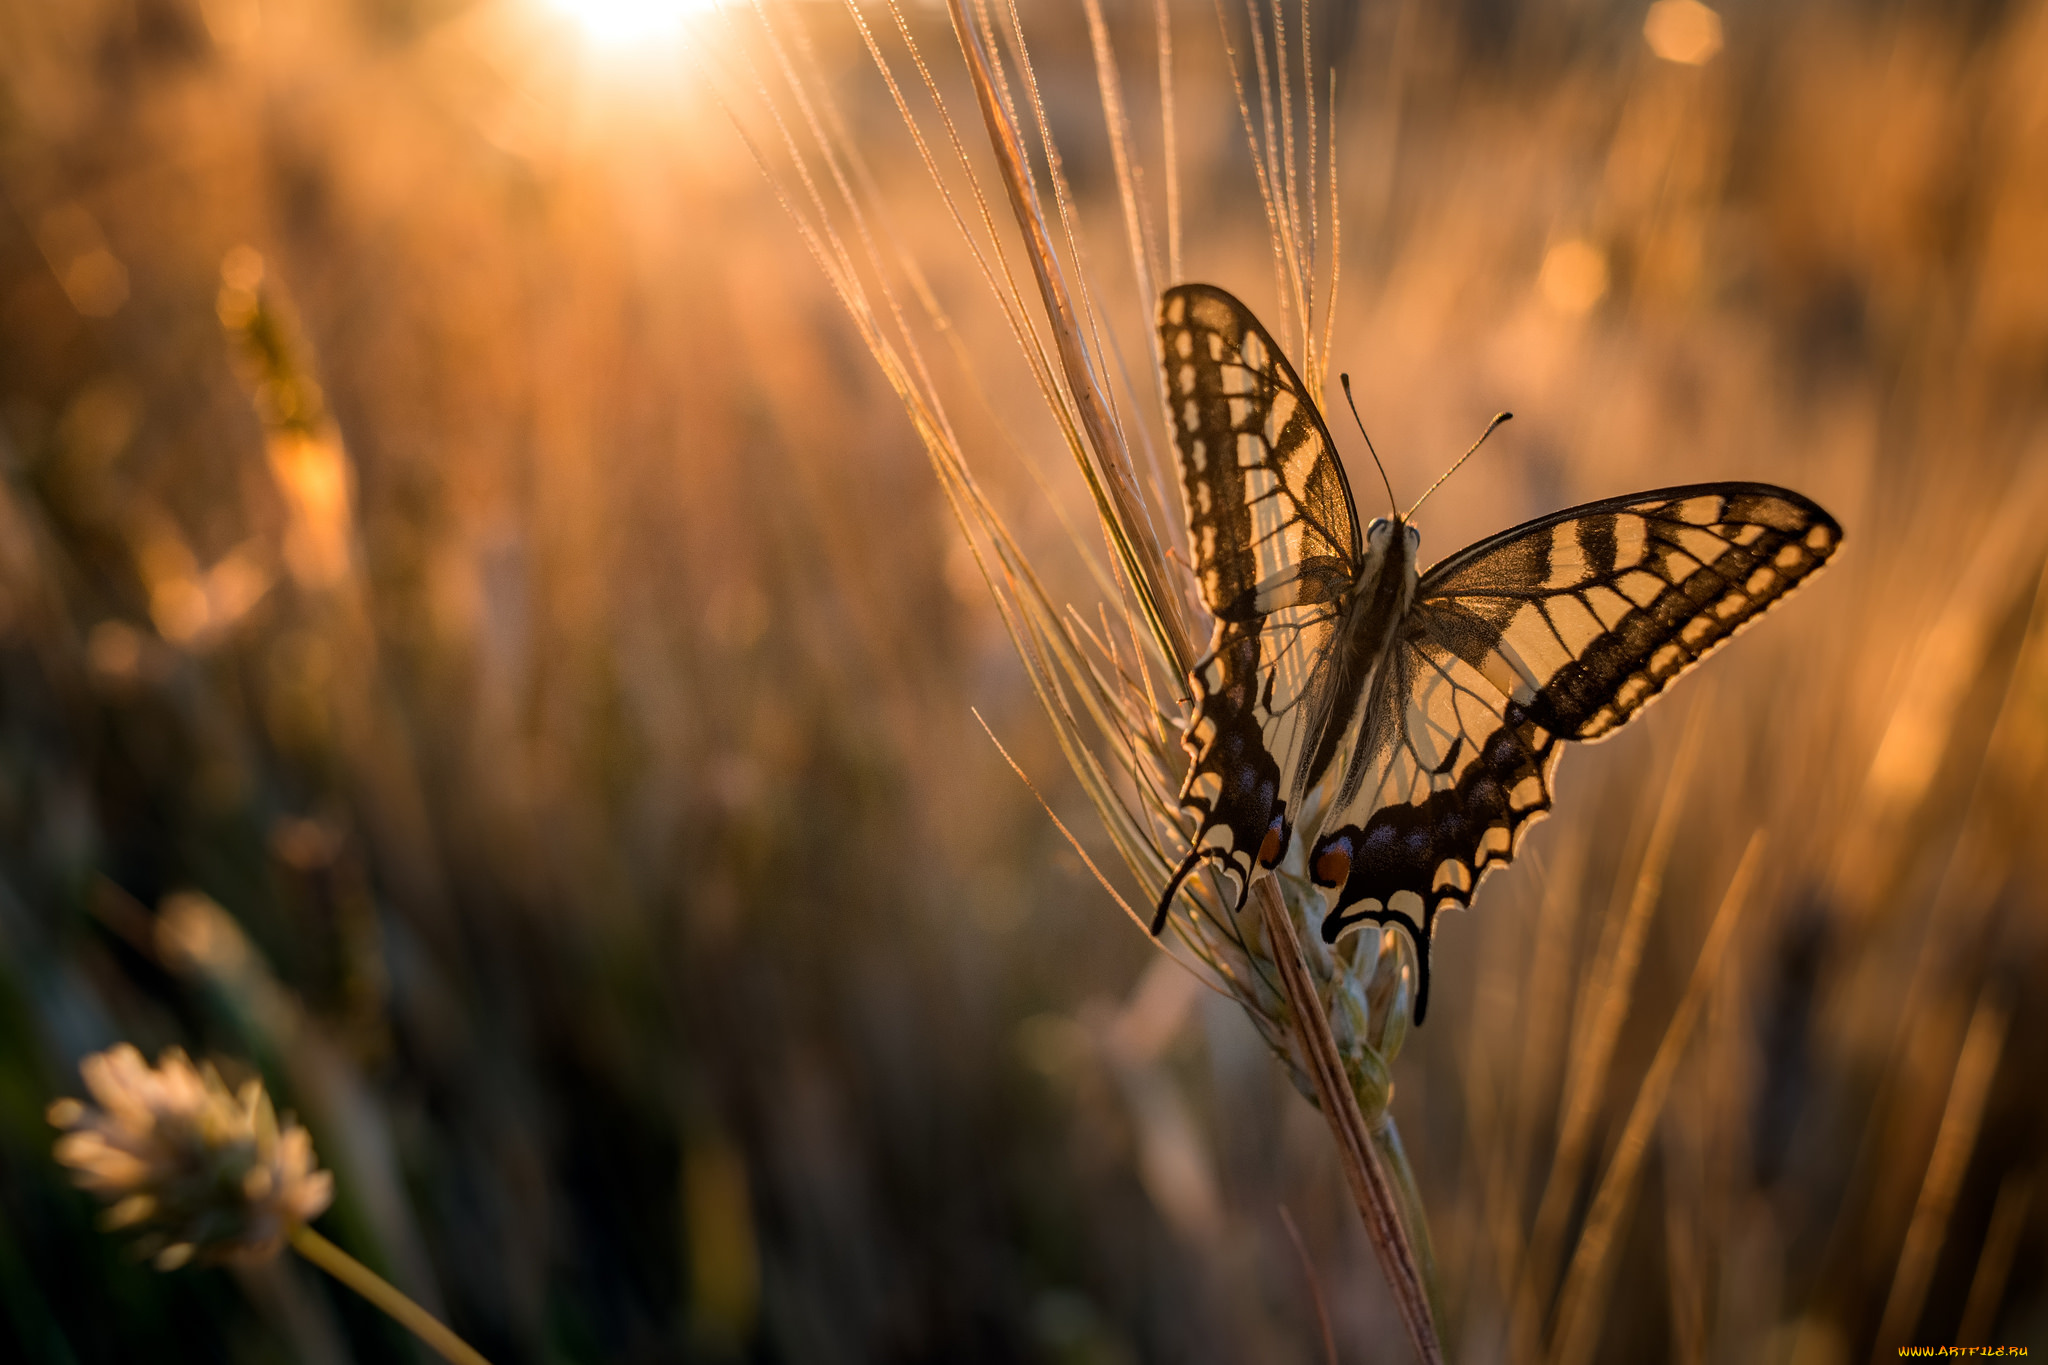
pixel 482 647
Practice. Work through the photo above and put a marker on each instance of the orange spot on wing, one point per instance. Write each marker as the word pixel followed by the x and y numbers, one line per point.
pixel 1333 868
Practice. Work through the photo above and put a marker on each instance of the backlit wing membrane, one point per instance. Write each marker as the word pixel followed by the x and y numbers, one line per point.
pixel 1269 513
pixel 1562 628
pixel 1585 615
pixel 1276 546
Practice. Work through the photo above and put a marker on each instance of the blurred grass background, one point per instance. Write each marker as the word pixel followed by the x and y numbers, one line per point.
pixel 478 642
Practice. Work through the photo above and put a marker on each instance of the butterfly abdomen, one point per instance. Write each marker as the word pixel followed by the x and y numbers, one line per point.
pixel 1369 619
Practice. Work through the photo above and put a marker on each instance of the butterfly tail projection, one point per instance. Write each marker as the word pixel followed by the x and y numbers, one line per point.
pixel 1407 862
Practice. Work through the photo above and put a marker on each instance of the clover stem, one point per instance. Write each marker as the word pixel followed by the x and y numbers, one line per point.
pixel 378 1291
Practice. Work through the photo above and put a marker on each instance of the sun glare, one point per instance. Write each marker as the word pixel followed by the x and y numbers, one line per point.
pixel 629 23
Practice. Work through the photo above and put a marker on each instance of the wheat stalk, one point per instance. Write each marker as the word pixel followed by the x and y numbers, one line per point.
pixel 1336 1019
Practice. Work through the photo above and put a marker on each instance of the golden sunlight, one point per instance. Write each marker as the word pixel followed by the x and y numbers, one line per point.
pixel 627 23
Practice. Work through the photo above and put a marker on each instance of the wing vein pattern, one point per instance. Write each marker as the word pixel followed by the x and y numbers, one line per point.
pixel 1276 547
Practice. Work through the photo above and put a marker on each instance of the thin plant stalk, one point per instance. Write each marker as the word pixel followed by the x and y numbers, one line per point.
pixel 1370 1188
pixel 1137 222
pixel 1144 559
pixel 1378 1201
pixel 1170 152
pixel 1586 1076
pixel 380 1292
pixel 1994 1259
pixel 1315 1290
pixel 1961 1117
pixel 1582 1303
pixel 1052 654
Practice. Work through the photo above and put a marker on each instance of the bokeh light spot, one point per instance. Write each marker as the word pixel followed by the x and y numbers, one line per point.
pixel 1574 276
pixel 1683 31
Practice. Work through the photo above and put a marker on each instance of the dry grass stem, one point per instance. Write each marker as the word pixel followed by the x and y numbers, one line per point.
pixel 1588 1060
pixel 1363 1172
pixel 1315 1288
pixel 1953 1143
pixel 1162 25
pixel 1144 559
pixel 1994 1259
pixel 1583 1301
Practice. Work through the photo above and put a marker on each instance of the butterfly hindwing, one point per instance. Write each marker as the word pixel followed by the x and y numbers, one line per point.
pixel 1448 774
pixel 1562 628
pixel 1276 545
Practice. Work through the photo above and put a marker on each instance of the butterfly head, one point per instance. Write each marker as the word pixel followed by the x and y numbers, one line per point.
pixel 1391 541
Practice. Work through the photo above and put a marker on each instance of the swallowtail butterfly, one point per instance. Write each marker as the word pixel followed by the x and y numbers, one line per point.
pixel 1436 702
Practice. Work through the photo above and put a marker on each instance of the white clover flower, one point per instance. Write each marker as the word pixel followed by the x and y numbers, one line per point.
pixel 198 1170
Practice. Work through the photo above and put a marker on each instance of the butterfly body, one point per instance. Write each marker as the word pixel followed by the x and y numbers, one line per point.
pixel 1366 625
pixel 1439 699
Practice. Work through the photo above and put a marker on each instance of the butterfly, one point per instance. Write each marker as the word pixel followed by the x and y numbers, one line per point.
pixel 1421 712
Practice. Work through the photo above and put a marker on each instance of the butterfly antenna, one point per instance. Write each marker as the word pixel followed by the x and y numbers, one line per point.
pixel 1345 380
pixel 1505 416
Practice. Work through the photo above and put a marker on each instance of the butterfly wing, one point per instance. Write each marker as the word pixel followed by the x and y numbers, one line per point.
pixel 1276 547
pixel 1269 510
pixel 1562 628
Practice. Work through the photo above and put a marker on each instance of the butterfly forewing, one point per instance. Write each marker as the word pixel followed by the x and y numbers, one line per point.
pixel 1269 513
pixel 1276 547
pixel 1585 615
pixel 1563 628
